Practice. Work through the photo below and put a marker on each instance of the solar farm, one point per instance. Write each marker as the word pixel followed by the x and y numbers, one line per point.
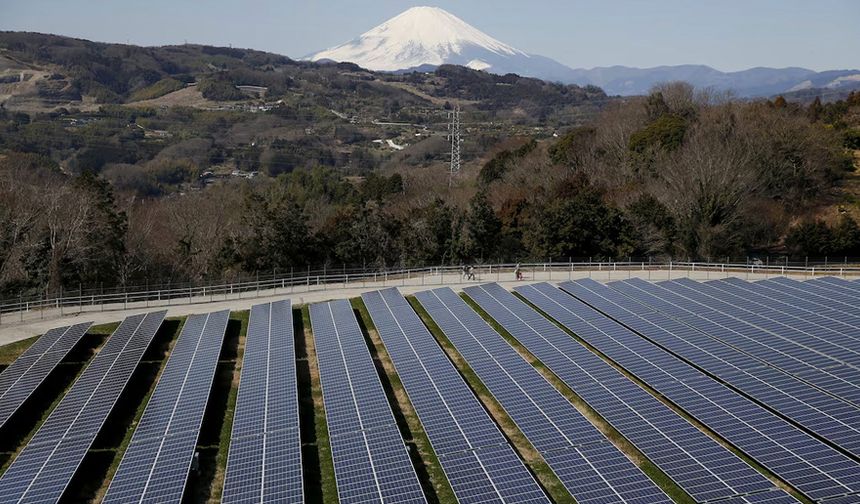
pixel 723 391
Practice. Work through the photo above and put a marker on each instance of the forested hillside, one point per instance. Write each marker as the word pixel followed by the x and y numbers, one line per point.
pixel 198 164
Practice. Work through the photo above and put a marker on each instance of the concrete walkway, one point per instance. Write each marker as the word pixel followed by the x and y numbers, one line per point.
pixel 15 327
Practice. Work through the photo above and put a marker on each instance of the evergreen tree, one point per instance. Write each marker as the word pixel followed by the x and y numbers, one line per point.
pixel 814 110
pixel 482 228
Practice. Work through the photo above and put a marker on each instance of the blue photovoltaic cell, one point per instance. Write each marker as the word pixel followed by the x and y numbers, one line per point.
pixel 840 315
pixel 828 374
pixel 836 301
pixel 832 287
pixel 265 461
pixel 155 465
pixel 371 461
pixel 825 358
pixel 827 416
pixel 43 469
pixel 818 315
pixel 21 378
pixel 813 342
pixel 837 284
pixel 698 464
pixel 813 467
pixel 479 462
pixel 590 467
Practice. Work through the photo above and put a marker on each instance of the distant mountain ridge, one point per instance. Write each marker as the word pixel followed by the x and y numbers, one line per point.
pixel 751 83
pixel 423 38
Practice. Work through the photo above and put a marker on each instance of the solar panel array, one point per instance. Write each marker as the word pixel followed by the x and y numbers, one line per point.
pixel 841 315
pixel 698 464
pixel 371 461
pixel 815 343
pixel 814 293
pixel 44 468
pixel 588 465
pixel 23 377
pixel 155 465
pixel 783 346
pixel 265 458
pixel 480 464
pixel 837 285
pixel 813 467
pixel 760 296
pixel 800 402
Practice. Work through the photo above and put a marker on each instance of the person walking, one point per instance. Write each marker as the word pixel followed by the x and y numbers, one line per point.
pixel 518 274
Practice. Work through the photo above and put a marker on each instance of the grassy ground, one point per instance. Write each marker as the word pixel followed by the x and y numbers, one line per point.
pixel 547 478
pixel 755 465
pixel 10 352
pixel 318 466
pixel 433 480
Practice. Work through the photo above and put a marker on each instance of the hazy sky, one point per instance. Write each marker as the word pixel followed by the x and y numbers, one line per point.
pixel 726 34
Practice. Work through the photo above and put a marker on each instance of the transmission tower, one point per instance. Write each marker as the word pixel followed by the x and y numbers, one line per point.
pixel 455 138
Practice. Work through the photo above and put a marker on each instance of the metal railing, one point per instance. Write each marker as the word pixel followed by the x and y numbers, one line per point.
pixel 18 311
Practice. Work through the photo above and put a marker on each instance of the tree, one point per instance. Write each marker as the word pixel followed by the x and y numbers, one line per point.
pixel 810 239
pixel 577 223
pixel 482 228
pixel 431 235
pixel 363 236
pixel 846 237
pixel 277 233
pixel 653 226
pixel 814 110
pixel 656 106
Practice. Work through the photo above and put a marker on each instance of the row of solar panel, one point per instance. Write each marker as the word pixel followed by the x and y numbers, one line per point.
pixel 805 461
pixel 666 343
pixel 155 466
pixel 44 468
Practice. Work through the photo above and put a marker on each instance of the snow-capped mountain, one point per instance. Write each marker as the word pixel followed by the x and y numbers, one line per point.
pixel 423 38
pixel 426 37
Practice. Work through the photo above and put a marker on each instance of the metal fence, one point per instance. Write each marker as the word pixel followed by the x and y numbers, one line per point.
pixel 18 311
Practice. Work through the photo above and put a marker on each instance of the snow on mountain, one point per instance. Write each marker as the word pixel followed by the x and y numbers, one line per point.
pixel 423 37
pixel 843 80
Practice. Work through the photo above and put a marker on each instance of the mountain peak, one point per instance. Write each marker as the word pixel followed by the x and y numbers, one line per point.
pixel 421 36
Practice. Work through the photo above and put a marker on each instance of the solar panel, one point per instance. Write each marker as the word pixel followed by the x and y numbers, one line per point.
pixel 818 355
pixel 265 461
pixel 846 325
pixel 816 343
pixel 813 467
pixel 827 416
pixel 477 459
pixel 155 465
pixel 588 465
pixel 839 313
pixel 753 340
pixel 697 463
pixel 371 461
pixel 23 377
pixel 45 466
pixel 837 284
pixel 848 304
pixel 835 287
